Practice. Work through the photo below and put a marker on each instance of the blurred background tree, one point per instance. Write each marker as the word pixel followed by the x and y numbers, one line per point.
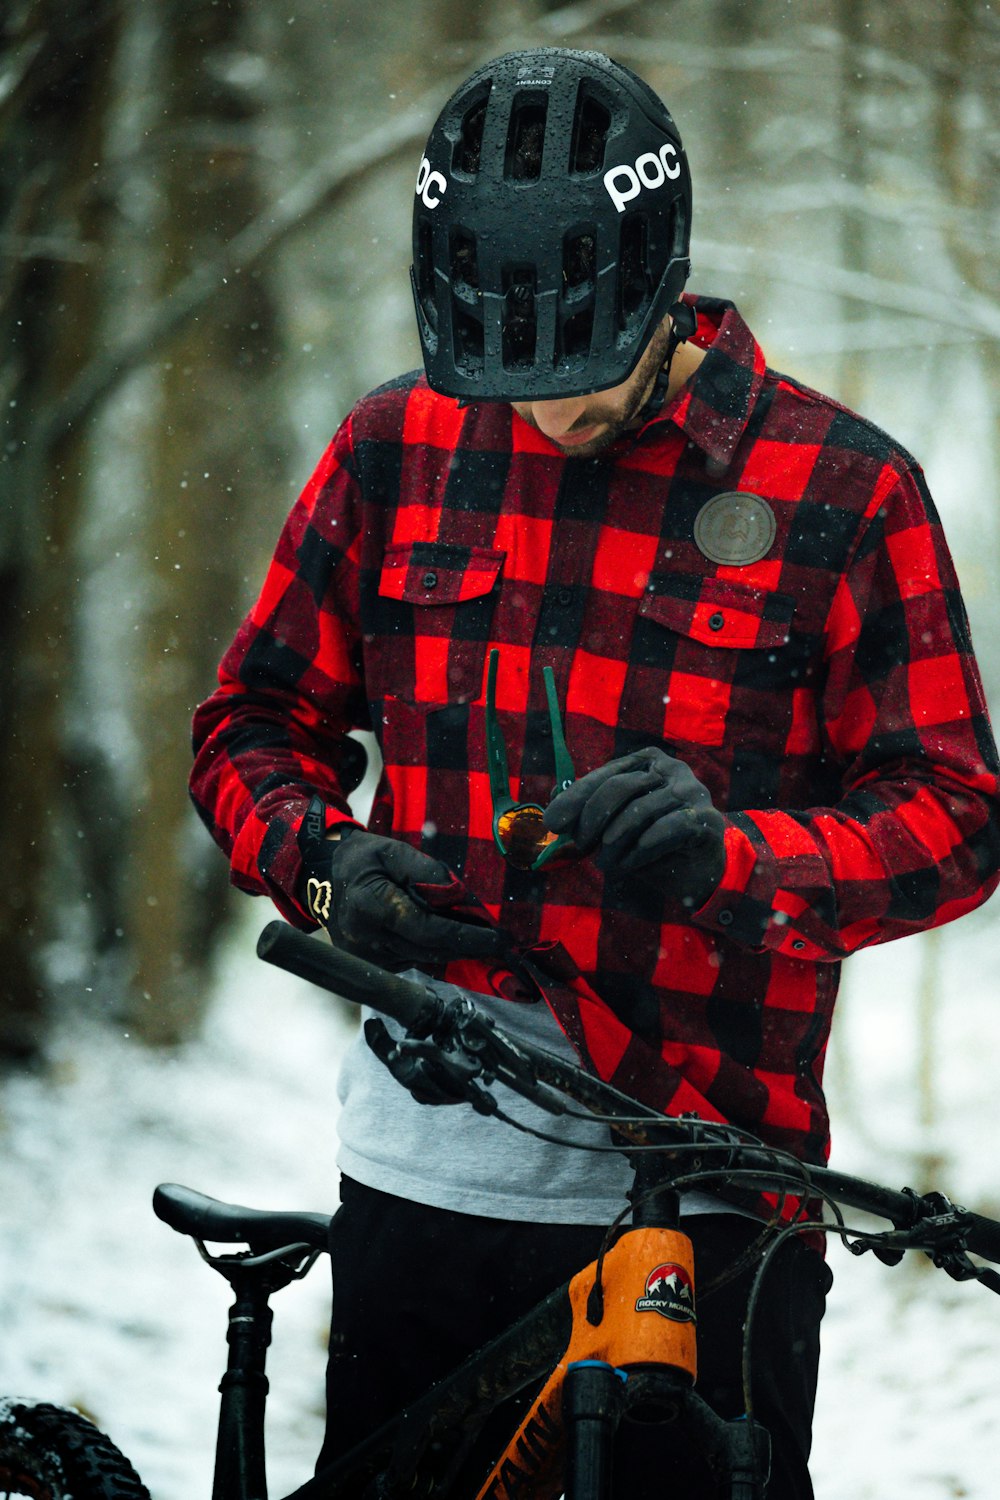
pixel 204 241
pixel 56 98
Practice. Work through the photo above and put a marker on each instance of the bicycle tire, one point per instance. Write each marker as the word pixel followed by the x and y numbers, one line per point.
pixel 52 1453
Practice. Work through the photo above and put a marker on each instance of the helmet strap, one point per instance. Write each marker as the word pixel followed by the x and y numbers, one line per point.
pixel 684 322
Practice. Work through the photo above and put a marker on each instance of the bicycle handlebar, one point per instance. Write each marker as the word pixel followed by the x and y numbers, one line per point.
pixel 418 1008
pixel 412 1005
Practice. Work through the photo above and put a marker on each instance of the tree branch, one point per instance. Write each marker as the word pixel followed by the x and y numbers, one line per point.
pixel 313 194
pixel 978 314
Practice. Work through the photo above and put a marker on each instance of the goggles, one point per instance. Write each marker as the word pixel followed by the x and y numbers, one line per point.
pixel 518 830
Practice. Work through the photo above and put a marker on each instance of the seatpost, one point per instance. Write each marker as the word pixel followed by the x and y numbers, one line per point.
pixel 239 1455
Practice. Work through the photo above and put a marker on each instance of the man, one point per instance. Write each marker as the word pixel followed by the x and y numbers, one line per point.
pixel 760 657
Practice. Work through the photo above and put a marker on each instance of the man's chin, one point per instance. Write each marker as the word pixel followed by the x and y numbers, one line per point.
pixel 591 448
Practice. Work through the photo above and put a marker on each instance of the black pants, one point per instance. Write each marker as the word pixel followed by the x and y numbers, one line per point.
pixel 417 1290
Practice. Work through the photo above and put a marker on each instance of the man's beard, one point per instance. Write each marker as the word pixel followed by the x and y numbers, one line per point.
pixel 621 418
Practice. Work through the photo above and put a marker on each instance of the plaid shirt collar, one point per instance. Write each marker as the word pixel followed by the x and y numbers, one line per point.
pixel 712 409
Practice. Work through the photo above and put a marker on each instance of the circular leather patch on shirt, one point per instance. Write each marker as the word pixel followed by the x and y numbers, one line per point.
pixel 735 528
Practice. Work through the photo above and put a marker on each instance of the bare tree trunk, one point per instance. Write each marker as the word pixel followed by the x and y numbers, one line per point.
pixel 52 213
pixel 215 456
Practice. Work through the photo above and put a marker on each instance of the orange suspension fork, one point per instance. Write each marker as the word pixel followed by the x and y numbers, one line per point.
pixel 640 1316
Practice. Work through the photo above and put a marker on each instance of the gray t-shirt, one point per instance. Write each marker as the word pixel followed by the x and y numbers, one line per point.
pixel 450 1157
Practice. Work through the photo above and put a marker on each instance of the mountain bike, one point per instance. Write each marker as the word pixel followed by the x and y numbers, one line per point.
pixel 619 1339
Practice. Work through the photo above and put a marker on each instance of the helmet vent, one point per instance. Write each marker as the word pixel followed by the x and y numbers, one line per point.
pixel 519 318
pixel 577 335
pixel 590 134
pixel 579 260
pixel 464 262
pixel 526 138
pixel 469 342
pixel 466 317
pixel 424 271
pixel 469 146
pixel 635 283
pixel 579 282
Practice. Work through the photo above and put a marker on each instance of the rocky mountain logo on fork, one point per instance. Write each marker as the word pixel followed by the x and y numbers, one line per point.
pixel 669 1292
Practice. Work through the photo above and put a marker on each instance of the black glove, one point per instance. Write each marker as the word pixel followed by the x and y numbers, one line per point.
pixel 648 814
pixel 381 899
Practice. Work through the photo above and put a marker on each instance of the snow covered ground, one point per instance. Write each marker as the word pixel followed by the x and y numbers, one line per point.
pixel 103 1307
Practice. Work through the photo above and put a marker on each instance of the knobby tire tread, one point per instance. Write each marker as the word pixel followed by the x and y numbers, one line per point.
pixel 51 1453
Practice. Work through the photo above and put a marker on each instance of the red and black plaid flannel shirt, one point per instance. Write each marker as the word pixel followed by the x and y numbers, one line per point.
pixel 826 694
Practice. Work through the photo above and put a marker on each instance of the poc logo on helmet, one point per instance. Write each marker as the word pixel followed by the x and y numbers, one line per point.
pixel 651 169
pixel 431 186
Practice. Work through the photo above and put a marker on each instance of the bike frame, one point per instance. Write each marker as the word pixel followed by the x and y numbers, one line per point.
pixel 595 1368
pixel 620 1333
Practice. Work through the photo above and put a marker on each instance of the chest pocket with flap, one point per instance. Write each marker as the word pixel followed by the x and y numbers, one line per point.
pixel 711 660
pixel 434 612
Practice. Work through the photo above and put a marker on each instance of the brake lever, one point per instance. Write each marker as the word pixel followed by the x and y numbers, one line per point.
pixel 431 1072
pixel 502 1060
pixel 939 1228
pixel 960 1268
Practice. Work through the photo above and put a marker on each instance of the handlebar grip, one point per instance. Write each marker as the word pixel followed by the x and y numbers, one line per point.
pixel 409 1003
pixel 985 1237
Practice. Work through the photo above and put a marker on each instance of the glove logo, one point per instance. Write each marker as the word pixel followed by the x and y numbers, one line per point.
pixel 669 1292
pixel 319 898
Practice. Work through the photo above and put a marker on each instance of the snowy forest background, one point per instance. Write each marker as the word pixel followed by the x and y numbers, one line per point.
pixel 204 243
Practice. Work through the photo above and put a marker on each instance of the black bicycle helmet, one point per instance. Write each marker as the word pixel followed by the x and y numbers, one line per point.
pixel 551 228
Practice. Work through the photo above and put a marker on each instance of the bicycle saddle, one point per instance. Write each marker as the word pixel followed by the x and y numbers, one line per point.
pixel 207 1219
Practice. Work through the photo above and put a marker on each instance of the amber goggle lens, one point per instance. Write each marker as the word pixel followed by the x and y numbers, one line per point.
pixel 522 835
pixel 518 830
